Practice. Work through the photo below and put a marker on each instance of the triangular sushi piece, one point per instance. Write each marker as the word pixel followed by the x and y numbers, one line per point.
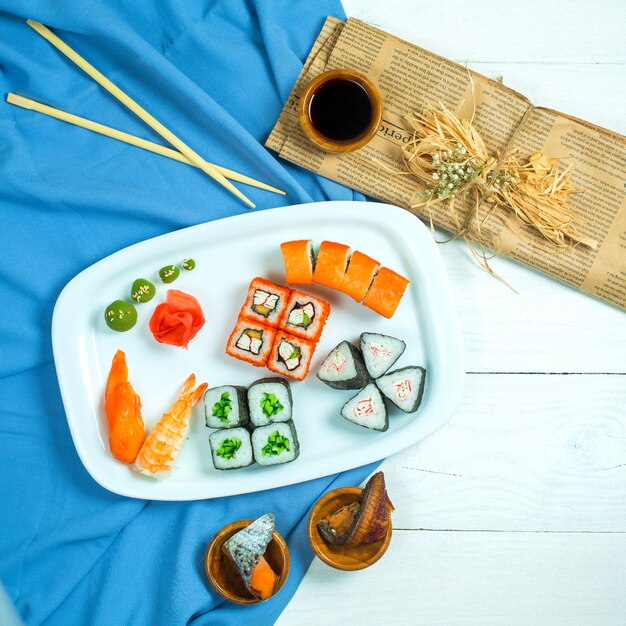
pixel 404 387
pixel 246 547
pixel 367 409
pixel 344 368
pixel 380 352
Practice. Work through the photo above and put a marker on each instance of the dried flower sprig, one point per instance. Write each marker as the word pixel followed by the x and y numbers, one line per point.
pixel 450 157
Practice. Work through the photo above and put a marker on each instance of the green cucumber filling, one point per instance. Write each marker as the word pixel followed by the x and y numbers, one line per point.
pixel 222 408
pixel 270 404
pixel 228 448
pixel 276 443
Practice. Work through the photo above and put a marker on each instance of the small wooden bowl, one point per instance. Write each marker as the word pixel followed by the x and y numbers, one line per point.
pixel 223 574
pixel 348 559
pixel 340 146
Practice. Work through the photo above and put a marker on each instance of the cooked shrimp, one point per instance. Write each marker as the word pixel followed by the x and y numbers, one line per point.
pixel 122 407
pixel 165 441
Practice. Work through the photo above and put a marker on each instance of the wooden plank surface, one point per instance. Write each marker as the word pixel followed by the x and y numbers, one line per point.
pixel 515 511
pixel 481 579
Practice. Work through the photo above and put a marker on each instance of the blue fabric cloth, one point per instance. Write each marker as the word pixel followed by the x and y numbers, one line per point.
pixel 217 73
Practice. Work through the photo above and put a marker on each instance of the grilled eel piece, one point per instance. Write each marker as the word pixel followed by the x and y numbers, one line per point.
pixel 360 523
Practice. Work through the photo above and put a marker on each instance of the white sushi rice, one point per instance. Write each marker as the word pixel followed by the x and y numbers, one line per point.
pixel 404 387
pixel 235 417
pixel 241 457
pixel 257 395
pixel 367 409
pixel 343 368
pixel 260 441
pixel 380 352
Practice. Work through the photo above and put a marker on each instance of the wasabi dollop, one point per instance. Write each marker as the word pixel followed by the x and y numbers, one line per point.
pixel 120 316
pixel 169 273
pixel 142 290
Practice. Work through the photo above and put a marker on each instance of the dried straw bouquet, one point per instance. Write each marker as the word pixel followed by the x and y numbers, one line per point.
pixel 450 157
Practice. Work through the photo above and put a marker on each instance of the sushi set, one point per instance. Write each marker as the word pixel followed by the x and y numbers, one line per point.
pixel 282 354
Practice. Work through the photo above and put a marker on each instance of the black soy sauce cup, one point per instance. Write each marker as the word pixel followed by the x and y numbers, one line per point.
pixel 356 96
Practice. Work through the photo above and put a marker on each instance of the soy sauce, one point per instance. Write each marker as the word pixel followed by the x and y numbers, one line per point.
pixel 341 109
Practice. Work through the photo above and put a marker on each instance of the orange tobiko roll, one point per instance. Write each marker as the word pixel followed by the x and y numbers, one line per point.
pixel 291 356
pixel 359 275
pixel 332 260
pixel 299 261
pixel 305 316
pixel 251 341
pixel 386 292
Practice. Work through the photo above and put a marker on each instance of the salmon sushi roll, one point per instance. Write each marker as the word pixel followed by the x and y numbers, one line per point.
pixel 266 302
pixel 359 276
pixel 305 316
pixel 330 268
pixel 299 261
pixel 291 356
pixel 385 293
pixel 251 341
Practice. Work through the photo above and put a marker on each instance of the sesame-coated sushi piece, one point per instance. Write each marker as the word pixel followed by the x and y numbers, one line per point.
pixel 291 356
pixel 231 448
pixel 266 302
pixel 226 407
pixel 344 368
pixel 246 549
pixel 299 261
pixel 404 387
pixel 251 341
pixel 380 352
pixel 275 444
pixel 359 276
pixel 269 400
pixel 330 267
pixel 385 293
pixel 367 409
pixel 305 316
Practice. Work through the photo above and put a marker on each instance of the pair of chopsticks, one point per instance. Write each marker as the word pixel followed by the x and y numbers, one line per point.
pixel 183 152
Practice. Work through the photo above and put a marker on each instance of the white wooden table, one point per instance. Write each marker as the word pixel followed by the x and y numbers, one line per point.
pixel 515 511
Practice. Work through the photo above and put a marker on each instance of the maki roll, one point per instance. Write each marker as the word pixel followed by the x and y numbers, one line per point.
pixel 367 409
pixel 305 316
pixel 380 352
pixel 330 267
pixel 251 341
pixel 344 368
pixel 269 400
pixel 225 407
pixel 385 292
pixel 299 261
pixel 231 448
pixel 246 549
pixel 291 356
pixel 275 443
pixel 266 302
pixel 359 275
pixel 404 387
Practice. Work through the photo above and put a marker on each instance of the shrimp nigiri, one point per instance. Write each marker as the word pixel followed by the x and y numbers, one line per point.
pixel 165 441
pixel 122 407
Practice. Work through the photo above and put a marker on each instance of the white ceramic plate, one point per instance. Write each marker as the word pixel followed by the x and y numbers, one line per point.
pixel 228 254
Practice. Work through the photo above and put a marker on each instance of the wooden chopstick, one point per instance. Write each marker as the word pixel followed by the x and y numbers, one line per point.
pixel 33 105
pixel 138 110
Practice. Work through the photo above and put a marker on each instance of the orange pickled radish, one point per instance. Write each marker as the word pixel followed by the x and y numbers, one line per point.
pixel 298 258
pixel 263 580
pixel 359 275
pixel 386 292
pixel 330 268
pixel 122 407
